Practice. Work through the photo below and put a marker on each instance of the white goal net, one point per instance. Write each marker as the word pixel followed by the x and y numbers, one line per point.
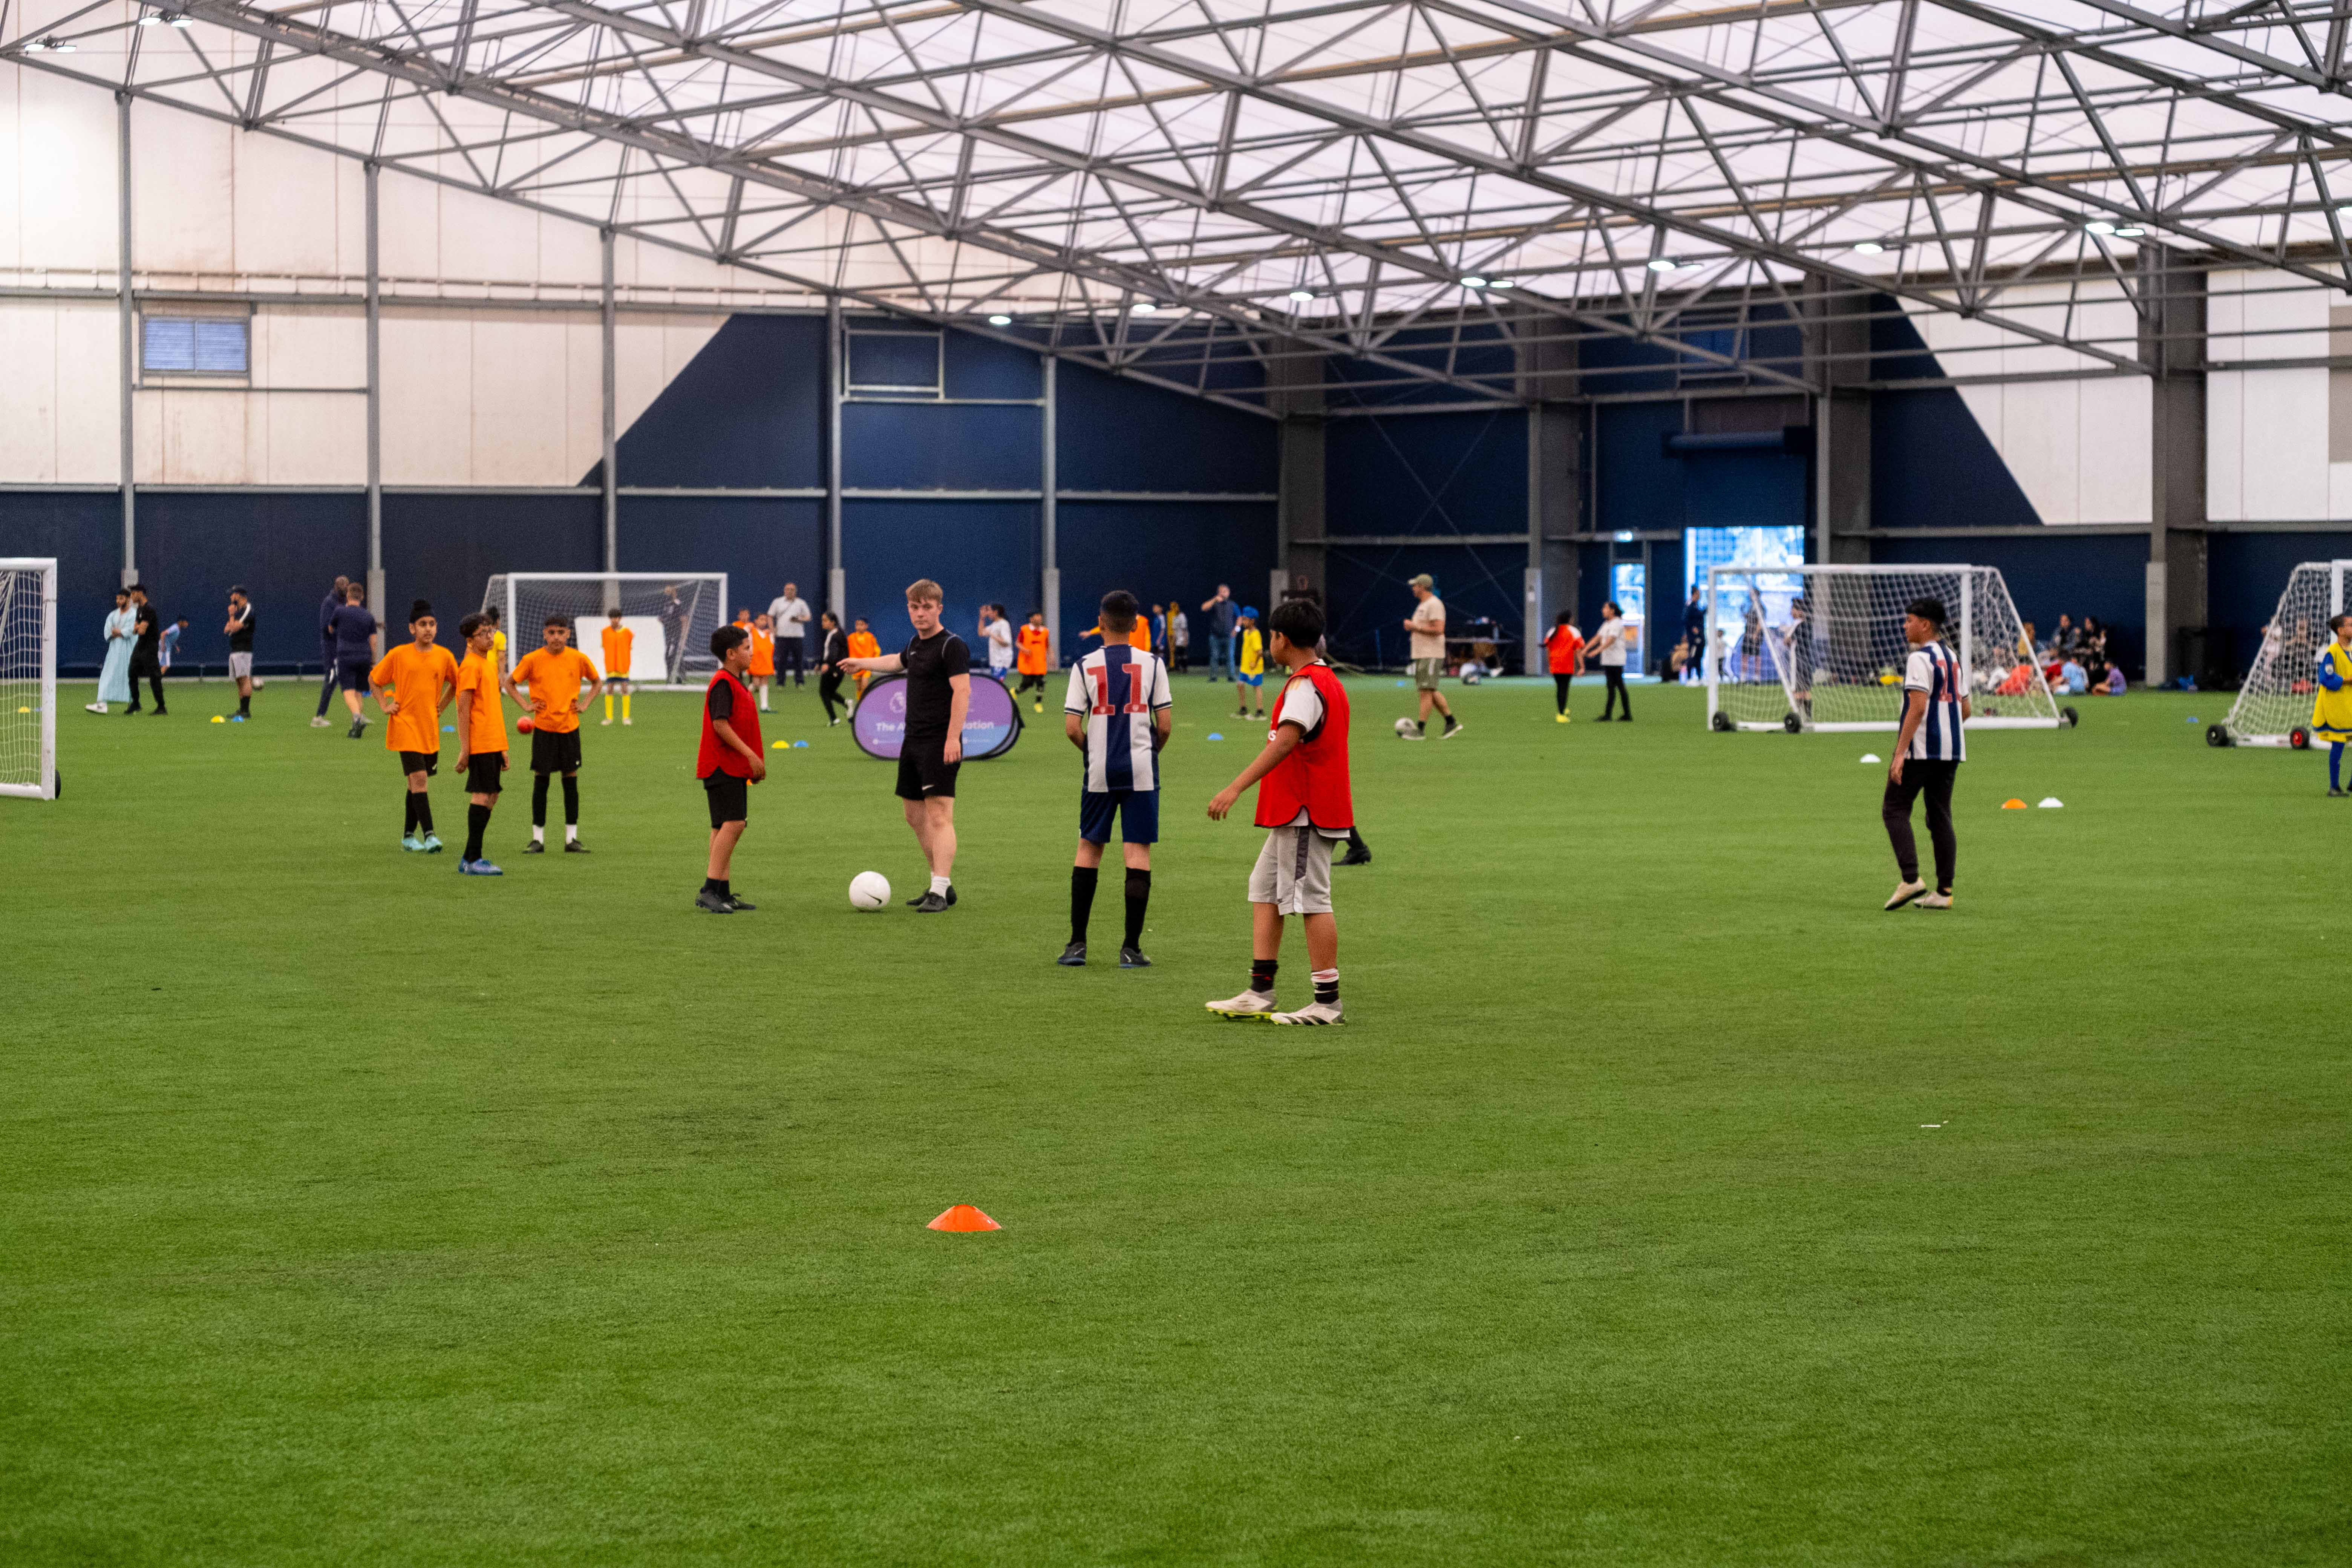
pixel 669 614
pixel 1820 646
pixel 28 678
pixel 2273 706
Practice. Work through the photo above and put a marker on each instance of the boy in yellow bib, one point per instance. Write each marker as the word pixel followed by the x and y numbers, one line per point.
pixel 2331 699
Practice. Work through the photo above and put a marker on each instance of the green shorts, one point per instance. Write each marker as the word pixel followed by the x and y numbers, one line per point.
pixel 1425 672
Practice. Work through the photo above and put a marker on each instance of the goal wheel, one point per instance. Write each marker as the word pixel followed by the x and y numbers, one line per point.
pixel 2071 717
pixel 1722 723
pixel 1791 723
pixel 2299 738
pixel 2216 736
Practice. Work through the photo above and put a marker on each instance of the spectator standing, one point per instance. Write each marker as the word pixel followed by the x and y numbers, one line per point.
pixel 1695 621
pixel 1224 617
pixel 1427 625
pixel 147 649
pixel 790 613
pixel 996 633
pixel 327 608
pixel 353 631
pixel 240 650
pixel 834 647
pixel 114 675
pixel 1179 636
pixel 1609 648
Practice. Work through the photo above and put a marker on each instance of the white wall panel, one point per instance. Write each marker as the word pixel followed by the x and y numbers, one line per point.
pixel 483 239
pixel 89 431
pixel 2116 447
pixel 64 148
pixel 583 395
pixel 314 439
pixel 427 398
pixel 29 393
pixel 183 193
pixel 408 239
pixel 2225 445
pixel 310 346
pixel 287 206
pixel 518 433
pixel 2284 429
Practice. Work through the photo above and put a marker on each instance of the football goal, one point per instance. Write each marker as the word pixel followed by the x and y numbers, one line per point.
pixel 2273 706
pixel 28 678
pixel 1799 648
pixel 671 615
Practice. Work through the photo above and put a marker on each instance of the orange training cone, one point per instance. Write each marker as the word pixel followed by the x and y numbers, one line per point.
pixel 963 1216
pixel 2012 804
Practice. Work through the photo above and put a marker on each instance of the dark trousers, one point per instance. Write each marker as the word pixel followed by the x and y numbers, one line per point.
pixel 155 673
pixel 1559 690
pixel 792 653
pixel 1933 780
pixel 828 692
pixel 1616 675
pixel 327 686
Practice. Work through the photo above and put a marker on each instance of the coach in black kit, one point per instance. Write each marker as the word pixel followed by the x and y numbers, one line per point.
pixel 938 666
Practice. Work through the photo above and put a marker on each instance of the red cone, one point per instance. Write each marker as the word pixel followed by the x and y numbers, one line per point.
pixel 963 1216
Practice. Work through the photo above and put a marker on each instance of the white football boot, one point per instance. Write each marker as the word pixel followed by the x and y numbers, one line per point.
pixel 1248 1004
pixel 1313 1013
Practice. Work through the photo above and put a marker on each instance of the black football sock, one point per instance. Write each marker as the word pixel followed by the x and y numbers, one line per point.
pixel 571 801
pixel 1082 899
pixel 1262 975
pixel 478 819
pixel 408 813
pixel 1327 986
pixel 724 887
pixel 245 706
pixel 1356 843
pixel 424 811
pixel 539 799
pixel 1138 898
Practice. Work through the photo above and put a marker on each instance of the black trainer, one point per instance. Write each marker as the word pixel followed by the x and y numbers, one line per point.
pixel 1132 958
pixel 1073 956
pixel 917 902
pixel 1356 855
pixel 740 906
pixel 931 904
pixel 536 847
pixel 714 903
pixel 573 847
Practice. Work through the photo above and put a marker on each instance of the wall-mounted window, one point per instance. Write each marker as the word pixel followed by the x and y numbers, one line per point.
pixel 196 345
pixel 896 362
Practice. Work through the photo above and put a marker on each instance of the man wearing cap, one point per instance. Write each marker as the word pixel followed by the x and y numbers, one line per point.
pixel 1427 625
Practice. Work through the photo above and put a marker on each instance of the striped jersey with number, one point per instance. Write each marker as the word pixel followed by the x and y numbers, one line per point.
pixel 1118 688
pixel 1934 670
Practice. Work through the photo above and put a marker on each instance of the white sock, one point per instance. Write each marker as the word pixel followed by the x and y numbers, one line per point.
pixel 570 831
pixel 763 700
pixel 940 886
pixel 538 834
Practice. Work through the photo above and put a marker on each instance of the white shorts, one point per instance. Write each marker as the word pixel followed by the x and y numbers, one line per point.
pixel 240 666
pixel 1293 872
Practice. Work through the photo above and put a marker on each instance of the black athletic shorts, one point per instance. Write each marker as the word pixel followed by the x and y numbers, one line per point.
pixel 731 798
pixel 352 674
pixel 425 762
pixel 482 772
pixel 925 773
pixel 554 754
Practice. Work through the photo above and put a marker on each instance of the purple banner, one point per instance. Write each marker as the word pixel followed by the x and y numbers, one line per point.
pixel 990 724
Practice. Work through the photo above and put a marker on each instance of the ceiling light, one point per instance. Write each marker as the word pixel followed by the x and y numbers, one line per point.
pixel 150 19
pixel 2130 231
pixel 2099 227
pixel 1498 282
pixel 1659 264
pixel 1869 247
pixel 1000 321
pixel 1302 295
pixel 181 21
pixel 1145 308
pixel 1474 281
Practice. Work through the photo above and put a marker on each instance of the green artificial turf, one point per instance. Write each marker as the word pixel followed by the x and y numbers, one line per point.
pixel 356 1212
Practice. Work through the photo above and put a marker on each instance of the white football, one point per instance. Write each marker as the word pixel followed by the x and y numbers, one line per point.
pixel 869 891
pixel 1407 727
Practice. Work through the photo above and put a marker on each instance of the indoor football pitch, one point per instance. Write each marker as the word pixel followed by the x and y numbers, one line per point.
pixel 1662 1202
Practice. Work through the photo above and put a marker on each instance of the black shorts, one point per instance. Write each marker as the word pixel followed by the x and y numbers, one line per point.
pixel 352 674
pixel 925 773
pixel 425 762
pixel 731 798
pixel 482 772
pixel 554 754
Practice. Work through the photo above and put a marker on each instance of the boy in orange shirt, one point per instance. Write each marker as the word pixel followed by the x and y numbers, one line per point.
pixel 620 646
pixel 481 739
pixel 864 644
pixel 1564 647
pixel 763 656
pixel 413 684
pixel 1029 659
pixel 555 673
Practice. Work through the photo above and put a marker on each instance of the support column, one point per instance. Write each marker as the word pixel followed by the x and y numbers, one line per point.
pixel 836 589
pixel 1295 388
pixel 1548 379
pixel 124 326
pixel 2172 345
pixel 610 466
pixel 1050 518
pixel 374 406
pixel 1836 325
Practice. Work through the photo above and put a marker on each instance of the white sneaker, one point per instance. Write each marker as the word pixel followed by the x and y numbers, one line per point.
pixel 93 706
pixel 608 724
pixel 1248 1004
pixel 1937 901
pixel 1313 1013
pixel 318 721
pixel 628 721
pixel 1904 892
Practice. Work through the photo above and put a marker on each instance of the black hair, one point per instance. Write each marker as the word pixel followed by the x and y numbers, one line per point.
pixel 495 614
pixel 824 615
pixel 1300 620
pixel 2336 624
pixel 420 608
pixel 472 623
pixel 1033 612
pixel 142 588
pixel 1562 620
pixel 555 620
pixel 727 638
pixel 1928 609
pixel 239 588
pixel 1119 611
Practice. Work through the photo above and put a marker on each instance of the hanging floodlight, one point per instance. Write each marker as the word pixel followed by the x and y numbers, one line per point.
pixel 2130 231
pixel 1302 295
pixel 1474 281
pixel 1869 247
pixel 1000 321
pixel 2098 225
pixel 1146 307
pixel 181 19
pixel 1659 264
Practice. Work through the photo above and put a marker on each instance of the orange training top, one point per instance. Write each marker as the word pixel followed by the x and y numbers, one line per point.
pixel 555 679
pixel 423 681
pixel 486 728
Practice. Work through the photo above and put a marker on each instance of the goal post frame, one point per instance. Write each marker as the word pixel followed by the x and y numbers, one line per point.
pixel 2243 726
pixel 44 787
pixel 1972 577
pixel 671 680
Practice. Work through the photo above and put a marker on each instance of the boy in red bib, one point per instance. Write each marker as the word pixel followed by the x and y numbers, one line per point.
pixel 729 764
pixel 1304 804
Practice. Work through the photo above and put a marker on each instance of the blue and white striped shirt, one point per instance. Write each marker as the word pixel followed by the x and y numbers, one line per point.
pixel 1934 670
pixel 1120 690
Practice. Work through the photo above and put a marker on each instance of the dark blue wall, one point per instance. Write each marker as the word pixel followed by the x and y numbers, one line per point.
pixel 976 550
pixel 2246 573
pixel 1429 473
pixel 942 447
pixel 1931 465
pixel 760 545
pixel 1121 435
pixel 747 412
pixel 1160 551
pixel 1368 592
pixel 445 547
pixel 2080 574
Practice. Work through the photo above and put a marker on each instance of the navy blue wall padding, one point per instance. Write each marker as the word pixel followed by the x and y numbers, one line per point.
pixel 1160 551
pixel 922 446
pixel 1426 473
pixel 982 367
pixel 2102 574
pixel 1665 599
pixel 895 357
pixel 760 545
pixel 1121 435
pixel 1366 590
pixel 747 412
pixel 283 548
pixel 1744 489
pixel 1636 485
pixel 1931 464
pixel 1897 350
pixel 1482 351
pixel 2246 573
pixel 1614 365
pixel 975 551
pixel 446 548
